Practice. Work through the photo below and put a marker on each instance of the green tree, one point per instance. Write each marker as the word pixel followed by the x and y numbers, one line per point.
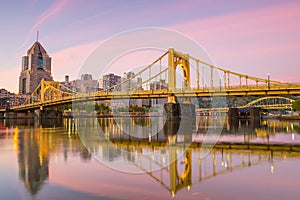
pixel 103 109
pixel 89 107
pixel 296 105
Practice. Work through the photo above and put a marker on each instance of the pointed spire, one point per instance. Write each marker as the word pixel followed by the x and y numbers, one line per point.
pixel 37 48
pixel 37 36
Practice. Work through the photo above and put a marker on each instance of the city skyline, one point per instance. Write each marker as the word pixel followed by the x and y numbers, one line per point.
pixel 247 37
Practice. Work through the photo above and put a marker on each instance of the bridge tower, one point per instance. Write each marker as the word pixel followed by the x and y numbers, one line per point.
pixel 36 65
pixel 178 59
pixel 186 108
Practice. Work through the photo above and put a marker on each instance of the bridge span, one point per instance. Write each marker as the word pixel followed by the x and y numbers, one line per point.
pixel 210 81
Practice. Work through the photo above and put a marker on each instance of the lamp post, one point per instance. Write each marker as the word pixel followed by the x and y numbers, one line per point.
pixel 269 81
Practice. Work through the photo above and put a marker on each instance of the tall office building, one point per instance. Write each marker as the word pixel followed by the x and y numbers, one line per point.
pixel 135 83
pixel 110 80
pixel 36 65
pixel 85 85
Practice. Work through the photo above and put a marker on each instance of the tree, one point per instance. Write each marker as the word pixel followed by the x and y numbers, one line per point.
pixel 103 109
pixel 296 105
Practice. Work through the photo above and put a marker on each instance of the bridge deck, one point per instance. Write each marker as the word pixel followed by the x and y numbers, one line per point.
pixel 287 90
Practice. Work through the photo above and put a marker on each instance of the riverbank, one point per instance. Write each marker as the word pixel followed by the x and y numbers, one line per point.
pixel 282 117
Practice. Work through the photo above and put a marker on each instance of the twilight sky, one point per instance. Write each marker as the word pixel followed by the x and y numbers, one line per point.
pixel 250 37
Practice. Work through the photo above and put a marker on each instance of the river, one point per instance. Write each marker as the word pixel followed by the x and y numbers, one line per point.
pixel 149 158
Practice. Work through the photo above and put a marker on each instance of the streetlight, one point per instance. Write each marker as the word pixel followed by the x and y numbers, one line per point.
pixel 269 81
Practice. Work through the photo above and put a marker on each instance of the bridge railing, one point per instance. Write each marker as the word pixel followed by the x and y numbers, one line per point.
pixel 248 87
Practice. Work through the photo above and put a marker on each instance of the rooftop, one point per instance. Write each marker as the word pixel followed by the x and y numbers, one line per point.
pixel 37 48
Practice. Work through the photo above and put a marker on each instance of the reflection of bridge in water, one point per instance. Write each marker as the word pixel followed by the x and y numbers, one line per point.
pixel 192 168
pixel 179 160
pixel 140 127
pixel 176 163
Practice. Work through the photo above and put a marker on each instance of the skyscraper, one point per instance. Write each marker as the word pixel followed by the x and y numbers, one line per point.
pixel 35 67
pixel 110 80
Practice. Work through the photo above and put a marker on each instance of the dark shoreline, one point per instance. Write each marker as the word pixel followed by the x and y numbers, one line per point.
pixel 282 117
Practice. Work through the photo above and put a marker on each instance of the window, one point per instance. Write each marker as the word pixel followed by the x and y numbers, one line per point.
pixel 40 61
pixel 25 63
pixel 24 86
pixel 44 62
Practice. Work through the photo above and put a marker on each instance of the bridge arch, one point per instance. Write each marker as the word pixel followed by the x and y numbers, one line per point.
pixel 271 102
pixel 178 59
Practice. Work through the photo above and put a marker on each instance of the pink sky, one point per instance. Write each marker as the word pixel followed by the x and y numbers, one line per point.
pixel 253 41
pixel 238 42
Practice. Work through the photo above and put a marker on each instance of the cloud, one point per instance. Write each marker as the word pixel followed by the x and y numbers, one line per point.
pixel 51 11
pixel 68 61
pixel 252 42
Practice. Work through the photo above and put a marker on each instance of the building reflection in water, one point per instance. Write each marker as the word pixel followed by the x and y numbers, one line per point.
pixel 33 159
pixel 35 141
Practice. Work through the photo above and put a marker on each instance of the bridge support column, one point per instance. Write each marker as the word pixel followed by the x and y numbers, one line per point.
pixel 184 110
pixel 233 117
pixel 171 71
pixel 255 113
pixel 172 107
pixel 50 114
pixel 172 110
pixel 254 117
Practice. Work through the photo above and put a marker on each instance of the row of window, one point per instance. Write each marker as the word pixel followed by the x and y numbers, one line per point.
pixel 41 62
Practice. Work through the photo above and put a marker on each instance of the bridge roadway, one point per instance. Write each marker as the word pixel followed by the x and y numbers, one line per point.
pixel 286 90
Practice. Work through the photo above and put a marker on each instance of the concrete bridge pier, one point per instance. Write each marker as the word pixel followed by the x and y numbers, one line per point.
pixel 174 109
pixel 49 114
pixel 180 119
pixel 252 114
pixel 236 113
pixel 255 113
pixel 233 117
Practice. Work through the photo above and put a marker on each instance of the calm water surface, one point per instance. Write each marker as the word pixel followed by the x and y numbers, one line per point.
pixel 55 160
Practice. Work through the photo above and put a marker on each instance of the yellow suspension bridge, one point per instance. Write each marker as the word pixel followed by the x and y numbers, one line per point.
pixel 210 81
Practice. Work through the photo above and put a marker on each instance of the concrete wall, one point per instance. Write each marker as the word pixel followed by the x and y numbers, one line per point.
pixel 42 114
